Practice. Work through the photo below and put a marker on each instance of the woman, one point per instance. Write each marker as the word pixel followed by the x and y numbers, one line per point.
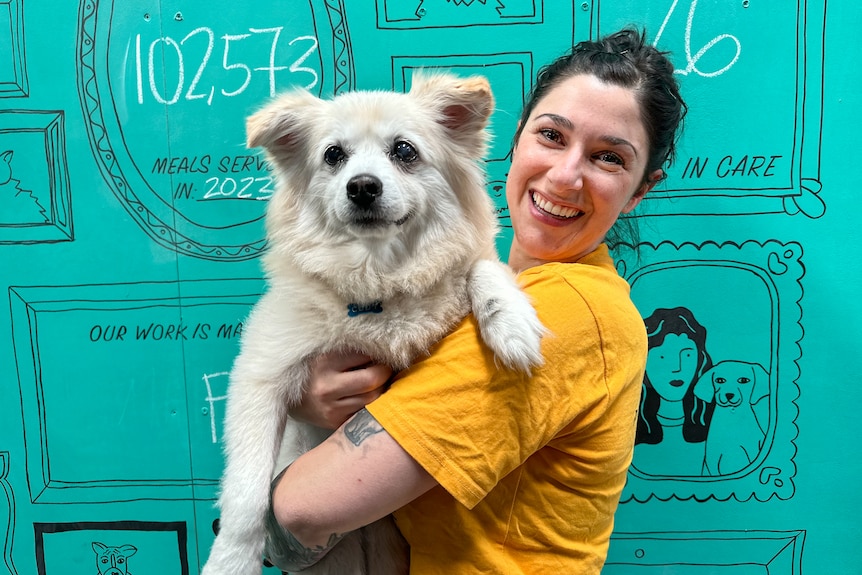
pixel 672 421
pixel 489 471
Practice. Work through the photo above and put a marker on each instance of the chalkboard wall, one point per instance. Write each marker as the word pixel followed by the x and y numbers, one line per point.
pixel 131 230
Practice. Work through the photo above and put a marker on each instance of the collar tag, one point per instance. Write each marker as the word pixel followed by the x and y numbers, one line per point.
pixel 355 309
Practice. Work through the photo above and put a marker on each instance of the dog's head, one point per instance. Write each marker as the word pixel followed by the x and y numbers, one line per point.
pixel 730 383
pixel 371 178
pixel 112 560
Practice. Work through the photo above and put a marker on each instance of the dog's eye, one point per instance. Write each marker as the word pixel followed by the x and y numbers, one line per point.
pixel 404 152
pixel 333 155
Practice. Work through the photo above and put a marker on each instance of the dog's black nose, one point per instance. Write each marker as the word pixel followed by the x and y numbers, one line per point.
pixel 363 189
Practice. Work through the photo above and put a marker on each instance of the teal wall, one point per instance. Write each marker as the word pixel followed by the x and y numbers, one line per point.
pixel 130 235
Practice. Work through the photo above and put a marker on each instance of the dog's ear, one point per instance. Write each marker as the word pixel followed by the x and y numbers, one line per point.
pixel 98 547
pixel 464 105
pixel 280 123
pixel 127 550
pixel 761 383
pixel 703 388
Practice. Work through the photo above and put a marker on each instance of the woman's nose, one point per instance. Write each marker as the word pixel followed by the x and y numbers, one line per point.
pixel 567 172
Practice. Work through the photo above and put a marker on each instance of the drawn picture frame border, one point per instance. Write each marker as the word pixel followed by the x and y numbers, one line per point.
pixel 26 305
pixel 19 85
pixel 179 527
pixel 58 227
pixel 779 266
pixel 7 514
pixel 414 22
pixel 777 552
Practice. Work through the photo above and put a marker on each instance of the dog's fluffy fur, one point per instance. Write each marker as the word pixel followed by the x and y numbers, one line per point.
pixel 380 204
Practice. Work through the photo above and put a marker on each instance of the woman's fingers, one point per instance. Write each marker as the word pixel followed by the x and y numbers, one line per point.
pixel 340 384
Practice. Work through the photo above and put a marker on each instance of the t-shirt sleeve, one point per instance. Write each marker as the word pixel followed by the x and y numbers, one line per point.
pixel 470 423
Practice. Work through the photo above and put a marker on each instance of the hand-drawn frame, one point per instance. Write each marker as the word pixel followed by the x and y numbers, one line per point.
pixel 18 85
pixel 27 304
pixel 535 15
pixel 131 189
pixel 58 227
pixel 803 194
pixel 7 514
pixel 179 527
pixel 777 552
pixel 778 266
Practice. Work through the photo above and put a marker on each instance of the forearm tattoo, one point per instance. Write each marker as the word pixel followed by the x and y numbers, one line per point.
pixel 284 551
pixel 361 427
pixel 290 555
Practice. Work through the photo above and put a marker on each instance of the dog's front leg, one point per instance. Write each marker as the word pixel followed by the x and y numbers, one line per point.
pixel 507 320
pixel 254 421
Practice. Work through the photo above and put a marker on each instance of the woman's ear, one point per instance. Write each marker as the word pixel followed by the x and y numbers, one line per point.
pixel 650 182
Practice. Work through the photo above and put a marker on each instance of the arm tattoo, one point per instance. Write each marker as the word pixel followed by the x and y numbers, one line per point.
pixel 291 555
pixel 361 426
pixel 283 549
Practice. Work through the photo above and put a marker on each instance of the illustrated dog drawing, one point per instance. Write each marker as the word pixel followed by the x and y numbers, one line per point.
pixel 113 560
pixel 380 239
pixel 735 435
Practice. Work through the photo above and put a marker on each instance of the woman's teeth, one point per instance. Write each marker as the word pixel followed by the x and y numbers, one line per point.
pixel 554 209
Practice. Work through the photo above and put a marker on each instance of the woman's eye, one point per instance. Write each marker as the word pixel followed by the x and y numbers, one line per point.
pixel 334 155
pixel 610 158
pixel 404 152
pixel 551 135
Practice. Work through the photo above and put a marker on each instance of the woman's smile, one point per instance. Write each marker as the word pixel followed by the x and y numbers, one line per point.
pixel 547 207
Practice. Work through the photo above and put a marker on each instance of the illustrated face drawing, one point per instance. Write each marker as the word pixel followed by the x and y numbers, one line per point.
pixel 672 366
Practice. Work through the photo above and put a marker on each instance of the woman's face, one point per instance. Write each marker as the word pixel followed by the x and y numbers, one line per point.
pixel 671 366
pixel 580 161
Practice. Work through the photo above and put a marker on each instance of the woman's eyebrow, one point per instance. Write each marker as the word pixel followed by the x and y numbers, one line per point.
pixel 564 122
pixel 558 120
pixel 617 141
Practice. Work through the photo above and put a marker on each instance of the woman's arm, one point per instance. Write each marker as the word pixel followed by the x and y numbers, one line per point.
pixel 355 477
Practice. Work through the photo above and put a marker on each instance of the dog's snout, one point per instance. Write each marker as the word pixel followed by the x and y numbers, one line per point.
pixel 363 189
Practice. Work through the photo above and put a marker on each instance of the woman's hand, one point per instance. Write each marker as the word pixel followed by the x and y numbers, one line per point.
pixel 340 384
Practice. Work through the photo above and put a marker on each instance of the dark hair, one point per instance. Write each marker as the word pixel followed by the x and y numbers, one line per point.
pixel 626 60
pixel 623 59
pixel 698 413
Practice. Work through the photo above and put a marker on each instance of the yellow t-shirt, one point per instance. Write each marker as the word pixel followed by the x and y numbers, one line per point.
pixel 530 469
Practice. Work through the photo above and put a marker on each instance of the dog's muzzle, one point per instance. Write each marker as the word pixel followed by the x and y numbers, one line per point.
pixel 363 191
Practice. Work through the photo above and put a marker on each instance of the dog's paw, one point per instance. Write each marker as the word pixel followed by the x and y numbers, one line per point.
pixel 507 320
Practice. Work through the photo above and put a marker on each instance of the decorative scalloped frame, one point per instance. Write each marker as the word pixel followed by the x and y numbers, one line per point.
pixel 779 266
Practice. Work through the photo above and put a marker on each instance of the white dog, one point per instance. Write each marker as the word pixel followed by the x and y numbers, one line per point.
pixel 381 238
pixel 735 435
